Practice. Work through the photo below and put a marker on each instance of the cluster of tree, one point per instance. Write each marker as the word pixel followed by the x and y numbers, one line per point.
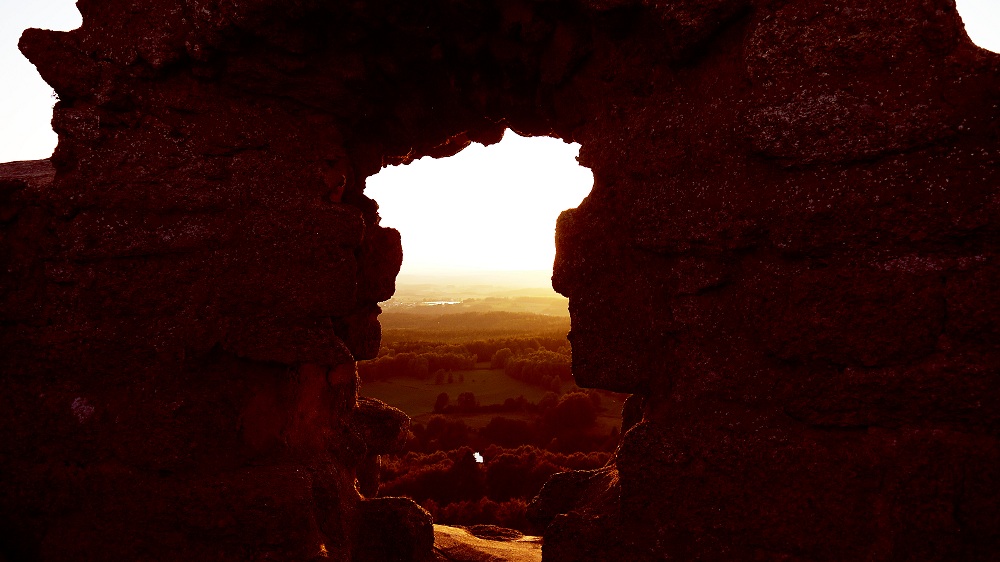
pixel 447 377
pixel 541 367
pixel 441 434
pixel 468 404
pixel 558 423
pixel 507 432
pixel 524 442
pixel 389 348
pixel 572 411
pixel 485 350
pixel 419 365
pixel 423 359
pixel 458 490
pixel 482 349
pixel 520 451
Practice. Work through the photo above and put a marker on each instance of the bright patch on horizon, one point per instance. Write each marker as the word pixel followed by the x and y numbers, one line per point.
pixel 982 22
pixel 478 457
pixel 485 208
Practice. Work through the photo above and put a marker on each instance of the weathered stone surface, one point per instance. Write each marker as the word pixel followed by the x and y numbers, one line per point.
pixel 382 427
pixel 481 543
pixel 790 252
pixel 383 430
pixel 580 511
pixel 394 530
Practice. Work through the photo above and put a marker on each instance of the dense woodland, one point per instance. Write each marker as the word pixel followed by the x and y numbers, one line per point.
pixel 522 440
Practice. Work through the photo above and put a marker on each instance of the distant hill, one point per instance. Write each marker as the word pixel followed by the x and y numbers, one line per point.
pixel 447 305
pixel 505 291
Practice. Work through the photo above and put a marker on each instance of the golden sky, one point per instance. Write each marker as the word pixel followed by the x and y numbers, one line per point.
pixel 486 208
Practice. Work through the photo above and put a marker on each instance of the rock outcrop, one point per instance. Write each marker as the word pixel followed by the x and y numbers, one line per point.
pixel 790 254
pixel 484 543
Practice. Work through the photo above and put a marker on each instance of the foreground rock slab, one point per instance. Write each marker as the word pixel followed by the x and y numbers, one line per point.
pixel 455 544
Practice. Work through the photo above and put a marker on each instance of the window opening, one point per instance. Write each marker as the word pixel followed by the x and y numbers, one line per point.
pixel 474 341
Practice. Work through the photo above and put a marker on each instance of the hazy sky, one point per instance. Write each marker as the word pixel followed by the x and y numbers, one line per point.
pixel 485 208
pixel 25 99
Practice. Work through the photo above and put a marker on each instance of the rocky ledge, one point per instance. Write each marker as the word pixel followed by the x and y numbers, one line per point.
pixel 484 543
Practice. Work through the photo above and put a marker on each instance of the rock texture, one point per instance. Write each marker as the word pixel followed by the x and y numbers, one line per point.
pixel 456 544
pixel 790 254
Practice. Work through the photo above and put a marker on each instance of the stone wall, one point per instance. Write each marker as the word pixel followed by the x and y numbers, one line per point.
pixel 789 256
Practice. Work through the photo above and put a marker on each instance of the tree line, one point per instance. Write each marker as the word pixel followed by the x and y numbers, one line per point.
pixel 539 367
pixel 559 423
pixel 543 362
pixel 418 364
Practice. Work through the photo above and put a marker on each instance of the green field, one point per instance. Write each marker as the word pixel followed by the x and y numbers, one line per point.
pixel 491 386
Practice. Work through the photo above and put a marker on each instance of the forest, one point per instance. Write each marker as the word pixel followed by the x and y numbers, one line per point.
pixel 493 417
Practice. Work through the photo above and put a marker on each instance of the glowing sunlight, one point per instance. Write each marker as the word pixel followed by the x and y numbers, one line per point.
pixel 486 208
pixel 982 22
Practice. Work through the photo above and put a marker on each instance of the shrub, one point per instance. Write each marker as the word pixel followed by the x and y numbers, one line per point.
pixel 500 358
pixel 442 402
pixel 574 411
pixel 467 402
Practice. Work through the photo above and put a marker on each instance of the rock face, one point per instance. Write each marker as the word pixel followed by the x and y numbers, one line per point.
pixel 790 253
pixel 476 544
